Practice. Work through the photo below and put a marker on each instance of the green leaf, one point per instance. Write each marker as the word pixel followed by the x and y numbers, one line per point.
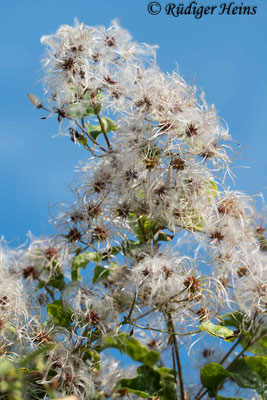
pixel 259 364
pixel 163 237
pixel 81 261
pixel 237 319
pixel 169 390
pixel 259 347
pixel 11 380
pixel 212 189
pixel 248 372
pixel 129 247
pixel 143 227
pixel 83 140
pixel 99 396
pixel 132 347
pixel 109 124
pixel 263 242
pixel 100 273
pixel 217 330
pixel 212 375
pixel 90 354
pixel 82 109
pixel 247 377
pixel 234 319
pixel 59 313
pixel 58 282
pixel 147 383
pixel 151 151
pixel 94 130
pixel 6 366
pixel 92 110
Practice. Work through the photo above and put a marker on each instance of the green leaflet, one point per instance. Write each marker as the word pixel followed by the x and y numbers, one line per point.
pixel 81 261
pixel 151 382
pixel 144 228
pixel 263 242
pixel 58 282
pixel 100 273
pixel 169 390
pixel 212 190
pixel 259 364
pixel 93 356
pixel 248 372
pixel 218 331
pixel 83 140
pixel 233 319
pixel 11 380
pixel 211 375
pixel 99 396
pixel 6 366
pixel 109 124
pixel 96 130
pixel 129 247
pixel 132 347
pixel 259 347
pixel 163 237
pixel 82 109
pixel 60 314
pixel 147 383
pixel 237 319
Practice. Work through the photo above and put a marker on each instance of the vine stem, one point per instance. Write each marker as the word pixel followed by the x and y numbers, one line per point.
pixel 142 228
pixel 150 328
pixel 231 350
pixel 90 137
pixel 171 327
pixel 174 369
pixel 49 291
pixel 103 128
pixel 132 307
pixel 155 308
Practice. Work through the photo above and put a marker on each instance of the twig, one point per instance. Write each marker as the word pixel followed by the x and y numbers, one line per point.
pixel 90 137
pixel 176 350
pixel 149 328
pixel 103 128
pixel 174 370
pixel 160 305
pixel 142 228
pixel 132 308
pixel 231 350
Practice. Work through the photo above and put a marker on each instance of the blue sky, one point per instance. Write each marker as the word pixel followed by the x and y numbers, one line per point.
pixel 226 55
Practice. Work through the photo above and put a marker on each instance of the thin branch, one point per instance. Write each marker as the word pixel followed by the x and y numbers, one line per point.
pixel 103 128
pixel 49 291
pixel 90 137
pixel 174 370
pixel 231 349
pixel 161 305
pixel 142 228
pixel 170 326
pixel 149 328
pixel 128 318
